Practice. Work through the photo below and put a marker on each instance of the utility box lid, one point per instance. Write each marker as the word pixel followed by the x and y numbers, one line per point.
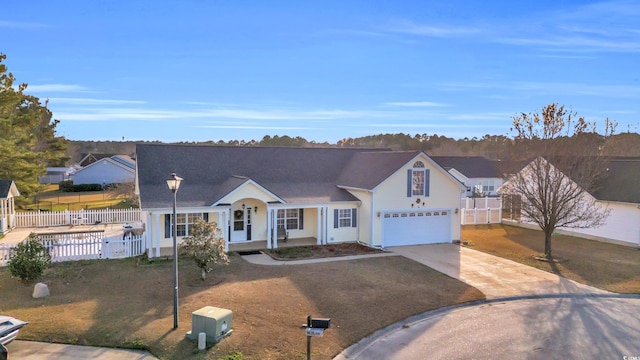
pixel 212 312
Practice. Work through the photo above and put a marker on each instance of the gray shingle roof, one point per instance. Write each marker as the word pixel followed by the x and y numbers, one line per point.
pixel 469 166
pixel 210 172
pixel 368 169
pixel 5 186
pixel 622 183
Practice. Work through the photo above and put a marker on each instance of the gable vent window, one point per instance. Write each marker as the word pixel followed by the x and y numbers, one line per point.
pixel 418 180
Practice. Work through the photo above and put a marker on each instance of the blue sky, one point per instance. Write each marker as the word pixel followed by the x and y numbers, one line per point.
pixel 324 70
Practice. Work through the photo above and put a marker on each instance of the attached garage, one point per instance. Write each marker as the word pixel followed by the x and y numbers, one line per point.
pixel 420 226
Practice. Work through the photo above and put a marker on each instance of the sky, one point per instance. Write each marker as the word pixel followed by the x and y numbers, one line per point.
pixel 196 70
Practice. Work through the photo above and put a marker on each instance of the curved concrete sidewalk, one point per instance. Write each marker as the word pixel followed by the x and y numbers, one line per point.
pixel 494 276
pixel 34 350
pixel 264 259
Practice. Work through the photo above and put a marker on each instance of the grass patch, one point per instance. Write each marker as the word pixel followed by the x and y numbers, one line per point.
pixel 606 266
pixel 124 303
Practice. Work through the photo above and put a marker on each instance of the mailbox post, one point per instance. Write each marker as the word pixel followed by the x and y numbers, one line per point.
pixel 314 327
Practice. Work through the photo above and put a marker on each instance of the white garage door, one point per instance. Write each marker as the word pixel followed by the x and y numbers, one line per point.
pixel 416 227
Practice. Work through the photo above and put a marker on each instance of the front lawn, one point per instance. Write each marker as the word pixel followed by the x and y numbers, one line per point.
pixel 606 266
pixel 119 303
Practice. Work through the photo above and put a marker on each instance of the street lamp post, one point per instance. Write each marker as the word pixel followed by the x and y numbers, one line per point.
pixel 174 185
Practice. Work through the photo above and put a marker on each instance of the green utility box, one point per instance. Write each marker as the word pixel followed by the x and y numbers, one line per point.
pixel 213 321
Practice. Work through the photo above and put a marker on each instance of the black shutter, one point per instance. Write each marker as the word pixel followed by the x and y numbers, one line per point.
pixel 335 218
pixel 167 226
pixel 205 217
pixel 409 180
pixel 354 216
pixel 300 219
pixel 426 182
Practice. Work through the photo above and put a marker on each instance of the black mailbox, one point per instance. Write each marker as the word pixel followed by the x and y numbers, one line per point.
pixel 320 323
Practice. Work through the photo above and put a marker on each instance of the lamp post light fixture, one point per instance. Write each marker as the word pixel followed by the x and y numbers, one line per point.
pixel 174 185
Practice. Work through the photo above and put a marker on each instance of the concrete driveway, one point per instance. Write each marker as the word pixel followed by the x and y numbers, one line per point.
pixel 495 277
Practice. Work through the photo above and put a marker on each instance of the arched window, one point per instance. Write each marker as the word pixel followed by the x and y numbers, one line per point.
pixel 418 180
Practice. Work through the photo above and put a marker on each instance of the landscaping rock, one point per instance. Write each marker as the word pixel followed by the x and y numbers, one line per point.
pixel 40 290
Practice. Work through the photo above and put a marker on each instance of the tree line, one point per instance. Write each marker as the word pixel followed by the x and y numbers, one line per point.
pixel 495 147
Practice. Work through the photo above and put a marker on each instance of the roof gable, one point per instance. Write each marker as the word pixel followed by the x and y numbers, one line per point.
pixel 244 187
pixel 104 161
pixel 620 184
pixel 8 187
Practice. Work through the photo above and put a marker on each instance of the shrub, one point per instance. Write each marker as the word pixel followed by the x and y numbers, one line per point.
pixel 67 186
pixel 29 259
pixel 205 245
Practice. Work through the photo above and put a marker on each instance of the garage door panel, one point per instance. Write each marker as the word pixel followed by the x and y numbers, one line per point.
pixel 416 227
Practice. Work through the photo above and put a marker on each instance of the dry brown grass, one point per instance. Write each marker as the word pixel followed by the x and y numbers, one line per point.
pixel 117 303
pixel 606 266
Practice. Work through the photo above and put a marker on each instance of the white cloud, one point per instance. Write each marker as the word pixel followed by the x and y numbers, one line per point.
pixel 88 101
pixel 257 127
pixel 56 88
pixel 416 104
pixel 412 28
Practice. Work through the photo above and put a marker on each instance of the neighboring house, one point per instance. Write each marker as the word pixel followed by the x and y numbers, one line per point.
pixel 258 194
pixel 57 174
pixel 8 192
pixel 480 175
pixel 619 191
pixel 111 170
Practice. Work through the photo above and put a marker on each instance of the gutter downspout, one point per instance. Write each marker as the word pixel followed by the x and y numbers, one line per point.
pixel 373 216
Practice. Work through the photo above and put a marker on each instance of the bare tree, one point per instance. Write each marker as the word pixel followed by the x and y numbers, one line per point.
pixel 126 191
pixel 205 245
pixel 565 161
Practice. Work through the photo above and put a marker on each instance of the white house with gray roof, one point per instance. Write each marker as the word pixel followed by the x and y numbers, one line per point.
pixel 8 193
pixel 619 192
pixel 108 170
pixel 377 197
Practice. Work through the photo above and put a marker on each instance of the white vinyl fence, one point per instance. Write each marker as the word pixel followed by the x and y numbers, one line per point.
pixel 475 211
pixel 82 217
pixel 85 246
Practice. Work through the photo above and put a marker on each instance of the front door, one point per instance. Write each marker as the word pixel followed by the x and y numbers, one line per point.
pixel 241 225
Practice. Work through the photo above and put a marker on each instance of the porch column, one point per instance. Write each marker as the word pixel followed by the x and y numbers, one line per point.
pixel 156 234
pixel 274 219
pixel 269 228
pixel 224 232
pixel 319 210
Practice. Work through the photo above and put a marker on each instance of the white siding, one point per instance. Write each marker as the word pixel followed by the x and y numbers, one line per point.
pixel 623 224
pixel 104 172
